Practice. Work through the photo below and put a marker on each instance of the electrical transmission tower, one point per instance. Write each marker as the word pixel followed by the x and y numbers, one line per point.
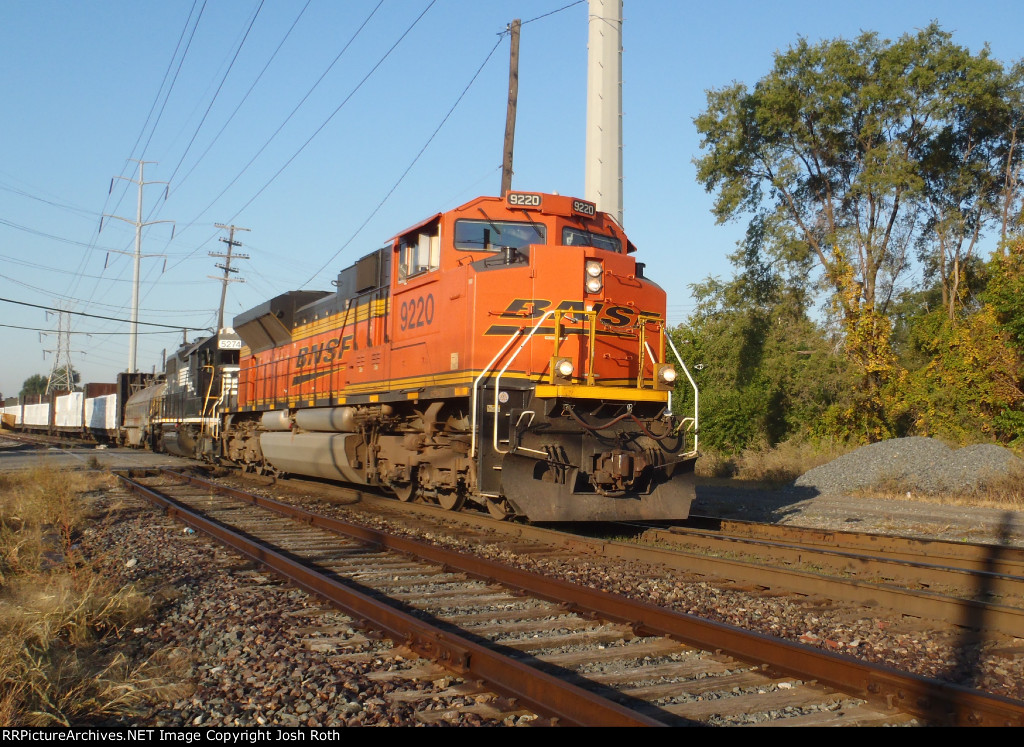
pixel 61 374
pixel 226 267
pixel 139 225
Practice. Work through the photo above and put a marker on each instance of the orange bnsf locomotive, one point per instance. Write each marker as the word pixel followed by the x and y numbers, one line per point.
pixel 509 353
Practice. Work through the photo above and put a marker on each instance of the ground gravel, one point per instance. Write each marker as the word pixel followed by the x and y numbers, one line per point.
pixel 243 661
pixel 918 465
pixel 231 645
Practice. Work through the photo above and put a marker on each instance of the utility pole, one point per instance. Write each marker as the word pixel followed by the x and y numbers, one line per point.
pixel 510 114
pixel 603 172
pixel 228 269
pixel 139 225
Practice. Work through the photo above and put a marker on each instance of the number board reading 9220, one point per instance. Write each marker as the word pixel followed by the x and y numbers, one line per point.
pixel 523 199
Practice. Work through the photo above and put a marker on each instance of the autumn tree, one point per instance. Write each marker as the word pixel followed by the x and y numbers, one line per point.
pixel 1005 291
pixel 971 167
pixel 847 153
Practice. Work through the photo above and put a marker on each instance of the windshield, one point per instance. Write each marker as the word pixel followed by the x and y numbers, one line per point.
pixel 579 237
pixel 491 235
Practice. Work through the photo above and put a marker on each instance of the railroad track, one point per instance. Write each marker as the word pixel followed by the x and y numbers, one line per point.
pixel 976 587
pixel 1004 558
pixel 40 440
pixel 969 585
pixel 575 654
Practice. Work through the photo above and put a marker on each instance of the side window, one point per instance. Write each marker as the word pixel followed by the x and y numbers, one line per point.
pixel 419 252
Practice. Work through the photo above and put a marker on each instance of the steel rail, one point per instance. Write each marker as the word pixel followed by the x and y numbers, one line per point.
pixel 939 702
pixel 1007 559
pixel 538 690
pixel 915 602
pixel 858 563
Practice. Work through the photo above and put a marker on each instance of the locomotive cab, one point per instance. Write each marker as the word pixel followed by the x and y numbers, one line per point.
pixel 573 386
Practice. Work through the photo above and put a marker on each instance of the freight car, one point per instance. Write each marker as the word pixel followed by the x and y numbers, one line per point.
pixel 96 412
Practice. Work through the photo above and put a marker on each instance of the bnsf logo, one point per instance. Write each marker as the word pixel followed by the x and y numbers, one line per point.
pixel 325 352
pixel 534 308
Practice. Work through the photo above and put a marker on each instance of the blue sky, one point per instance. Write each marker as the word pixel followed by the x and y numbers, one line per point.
pixel 86 86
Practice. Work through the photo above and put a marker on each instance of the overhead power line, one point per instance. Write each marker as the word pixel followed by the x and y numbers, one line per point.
pixel 557 10
pixel 217 92
pixel 348 98
pixel 291 114
pixel 96 316
pixel 174 331
pixel 45 235
pixel 273 135
pixel 414 160
pixel 244 98
pixel 73 285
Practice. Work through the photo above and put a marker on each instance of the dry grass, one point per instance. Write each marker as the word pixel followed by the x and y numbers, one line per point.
pixel 60 619
pixel 771 467
pixel 1004 491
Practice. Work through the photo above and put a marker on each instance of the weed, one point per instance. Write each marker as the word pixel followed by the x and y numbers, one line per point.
pixel 60 619
pixel 1004 491
pixel 771 466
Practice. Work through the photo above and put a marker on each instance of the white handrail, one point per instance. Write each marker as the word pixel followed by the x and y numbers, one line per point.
pixel 529 336
pixel 476 383
pixel 693 384
pixel 497 383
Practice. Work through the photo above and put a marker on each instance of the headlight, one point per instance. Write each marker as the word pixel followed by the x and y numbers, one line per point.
pixel 594 276
pixel 665 376
pixel 565 368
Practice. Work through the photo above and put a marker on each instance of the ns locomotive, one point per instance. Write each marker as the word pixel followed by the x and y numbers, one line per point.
pixel 509 353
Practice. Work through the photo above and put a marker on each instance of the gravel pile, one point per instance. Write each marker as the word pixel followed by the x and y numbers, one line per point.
pixel 917 465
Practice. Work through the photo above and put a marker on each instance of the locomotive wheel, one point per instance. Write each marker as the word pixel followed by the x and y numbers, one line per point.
pixel 498 508
pixel 405 492
pixel 451 501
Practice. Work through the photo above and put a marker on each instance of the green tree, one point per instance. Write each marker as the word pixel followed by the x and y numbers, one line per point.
pixel 766 371
pixel 1012 152
pixel 970 167
pixel 1005 291
pixel 33 385
pixel 828 154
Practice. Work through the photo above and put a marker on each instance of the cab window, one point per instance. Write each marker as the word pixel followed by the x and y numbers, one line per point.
pixel 419 253
pixel 492 235
pixel 578 237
